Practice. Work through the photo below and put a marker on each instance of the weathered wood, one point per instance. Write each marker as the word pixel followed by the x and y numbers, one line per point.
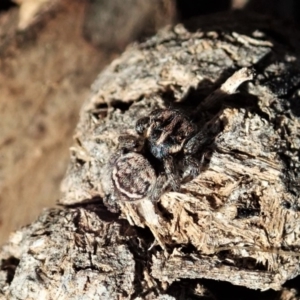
pixel 238 221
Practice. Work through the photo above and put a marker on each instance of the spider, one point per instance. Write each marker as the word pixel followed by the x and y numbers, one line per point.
pixel 169 133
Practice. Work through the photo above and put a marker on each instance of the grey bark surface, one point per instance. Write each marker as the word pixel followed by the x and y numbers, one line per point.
pixel 238 221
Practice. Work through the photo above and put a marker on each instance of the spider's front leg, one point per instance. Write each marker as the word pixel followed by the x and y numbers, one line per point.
pixel 191 166
pixel 161 185
pixel 192 148
pixel 171 173
pixel 130 143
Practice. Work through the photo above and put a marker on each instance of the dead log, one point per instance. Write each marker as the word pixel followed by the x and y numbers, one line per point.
pixel 238 221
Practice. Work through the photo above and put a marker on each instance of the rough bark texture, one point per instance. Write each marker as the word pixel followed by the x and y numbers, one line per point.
pixel 238 221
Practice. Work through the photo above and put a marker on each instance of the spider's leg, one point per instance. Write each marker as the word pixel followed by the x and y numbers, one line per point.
pixel 171 173
pixel 142 124
pixel 192 148
pixel 195 143
pixel 130 143
pixel 159 188
pixel 192 166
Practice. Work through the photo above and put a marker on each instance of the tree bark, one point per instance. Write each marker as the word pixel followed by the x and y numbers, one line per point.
pixel 238 221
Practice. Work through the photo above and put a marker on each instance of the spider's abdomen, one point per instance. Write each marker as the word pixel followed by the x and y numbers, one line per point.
pixel 133 177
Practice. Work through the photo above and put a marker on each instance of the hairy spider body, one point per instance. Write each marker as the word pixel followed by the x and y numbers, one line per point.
pixel 169 132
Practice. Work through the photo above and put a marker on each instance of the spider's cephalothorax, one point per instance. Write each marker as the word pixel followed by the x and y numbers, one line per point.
pixel 169 132
pixel 166 130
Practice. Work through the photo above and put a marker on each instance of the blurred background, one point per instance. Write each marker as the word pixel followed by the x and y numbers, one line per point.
pixel 50 53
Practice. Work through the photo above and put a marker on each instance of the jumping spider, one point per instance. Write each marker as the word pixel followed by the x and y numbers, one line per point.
pixel 171 137
pixel 169 134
